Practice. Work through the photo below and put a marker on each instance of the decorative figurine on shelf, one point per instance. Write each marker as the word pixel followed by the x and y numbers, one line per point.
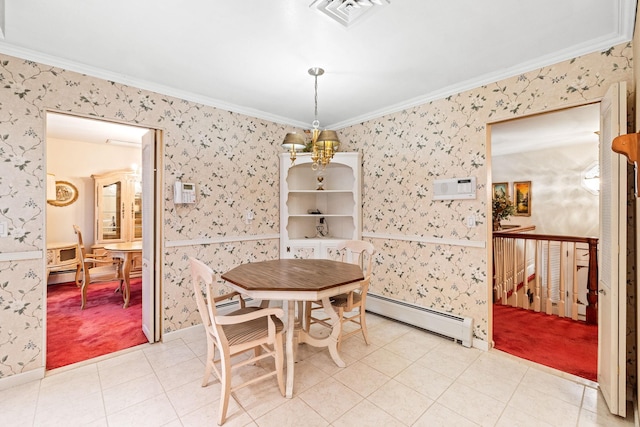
pixel 503 208
pixel 320 181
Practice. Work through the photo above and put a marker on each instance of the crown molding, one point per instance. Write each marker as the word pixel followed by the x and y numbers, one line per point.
pixel 592 46
pixel 77 67
pixel 624 33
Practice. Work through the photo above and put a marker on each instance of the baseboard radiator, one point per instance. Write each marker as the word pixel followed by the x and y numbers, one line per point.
pixel 449 325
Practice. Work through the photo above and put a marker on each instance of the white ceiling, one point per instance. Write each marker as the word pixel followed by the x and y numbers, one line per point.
pixel 72 128
pixel 571 126
pixel 252 56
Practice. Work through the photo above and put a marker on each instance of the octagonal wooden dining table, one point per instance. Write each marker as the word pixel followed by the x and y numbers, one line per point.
pixel 297 280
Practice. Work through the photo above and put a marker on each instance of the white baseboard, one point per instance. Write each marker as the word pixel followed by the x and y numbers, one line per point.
pixel 480 344
pixel 183 333
pixel 22 378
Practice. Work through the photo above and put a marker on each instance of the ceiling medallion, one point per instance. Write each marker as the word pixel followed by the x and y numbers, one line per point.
pixel 347 11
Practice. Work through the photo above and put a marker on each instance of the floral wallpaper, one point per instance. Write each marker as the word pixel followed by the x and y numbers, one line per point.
pixel 21 318
pixel 179 312
pixel 404 152
pixel 234 160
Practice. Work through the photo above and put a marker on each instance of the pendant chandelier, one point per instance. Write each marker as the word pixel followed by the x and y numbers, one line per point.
pixel 324 144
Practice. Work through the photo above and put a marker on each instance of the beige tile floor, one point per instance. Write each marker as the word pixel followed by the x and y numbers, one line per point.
pixel 406 377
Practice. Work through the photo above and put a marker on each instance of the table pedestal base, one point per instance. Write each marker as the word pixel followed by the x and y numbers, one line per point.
pixel 297 336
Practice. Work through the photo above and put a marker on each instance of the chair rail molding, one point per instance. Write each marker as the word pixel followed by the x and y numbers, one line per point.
pixel 212 240
pixel 432 240
pixel 20 256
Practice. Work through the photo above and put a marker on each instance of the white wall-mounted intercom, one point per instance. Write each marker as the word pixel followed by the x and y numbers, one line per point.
pixel 455 188
pixel 184 192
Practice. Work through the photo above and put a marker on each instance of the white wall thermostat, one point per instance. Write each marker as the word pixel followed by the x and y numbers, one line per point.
pixel 184 192
pixel 455 188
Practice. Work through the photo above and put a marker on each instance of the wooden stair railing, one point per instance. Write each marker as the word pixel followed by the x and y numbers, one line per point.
pixel 520 260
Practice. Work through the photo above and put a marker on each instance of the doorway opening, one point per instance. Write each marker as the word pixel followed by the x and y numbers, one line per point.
pixel 100 163
pixel 554 156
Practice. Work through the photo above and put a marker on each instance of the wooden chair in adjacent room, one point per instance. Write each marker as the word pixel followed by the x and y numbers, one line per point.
pixel 92 269
pixel 356 252
pixel 247 329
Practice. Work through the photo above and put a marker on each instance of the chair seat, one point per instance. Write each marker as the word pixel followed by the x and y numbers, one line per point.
pixel 251 330
pixel 105 272
pixel 341 300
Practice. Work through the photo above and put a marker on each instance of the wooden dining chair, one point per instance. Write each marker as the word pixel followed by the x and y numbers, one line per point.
pixel 247 329
pixel 92 269
pixel 356 252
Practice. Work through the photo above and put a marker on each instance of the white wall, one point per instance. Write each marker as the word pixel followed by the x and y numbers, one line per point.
pixel 559 204
pixel 75 162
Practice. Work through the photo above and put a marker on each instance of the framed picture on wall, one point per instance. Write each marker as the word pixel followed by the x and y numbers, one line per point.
pixel 66 193
pixel 501 189
pixel 522 197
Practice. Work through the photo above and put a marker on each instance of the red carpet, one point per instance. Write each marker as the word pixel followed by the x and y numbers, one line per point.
pixel 560 343
pixel 102 327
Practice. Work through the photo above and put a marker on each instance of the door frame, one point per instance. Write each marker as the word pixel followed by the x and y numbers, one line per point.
pixel 489 197
pixel 156 231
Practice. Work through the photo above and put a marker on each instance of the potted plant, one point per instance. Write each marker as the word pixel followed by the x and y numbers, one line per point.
pixel 503 208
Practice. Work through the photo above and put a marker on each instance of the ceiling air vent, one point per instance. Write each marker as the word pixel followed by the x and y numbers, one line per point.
pixel 347 12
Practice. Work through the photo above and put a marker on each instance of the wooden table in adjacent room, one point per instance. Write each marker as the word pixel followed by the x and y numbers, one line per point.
pixel 294 280
pixel 126 252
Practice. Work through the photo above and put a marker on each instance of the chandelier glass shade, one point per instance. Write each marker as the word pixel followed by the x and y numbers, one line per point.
pixel 324 143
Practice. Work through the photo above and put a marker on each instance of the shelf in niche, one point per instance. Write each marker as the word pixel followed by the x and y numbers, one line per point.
pixel 339 202
pixel 338 177
pixel 341 227
pixel 319 215
pixel 326 239
pixel 321 191
pixel 332 238
pixel 329 203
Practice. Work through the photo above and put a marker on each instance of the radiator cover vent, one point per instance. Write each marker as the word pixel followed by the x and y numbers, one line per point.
pixel 447 324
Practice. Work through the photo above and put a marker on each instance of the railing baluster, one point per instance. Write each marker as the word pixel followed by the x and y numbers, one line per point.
pixel 563 286
pixel 511 268
pixel 525 276
pixel 505 286
pixel 547 304
pixel 500 270
pixel 538 270
pixel 592 283
pixel 574 305
pixel 514 272
pixel 497 263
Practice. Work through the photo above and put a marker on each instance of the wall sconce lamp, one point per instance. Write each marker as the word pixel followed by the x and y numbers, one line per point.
pixel 590 178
